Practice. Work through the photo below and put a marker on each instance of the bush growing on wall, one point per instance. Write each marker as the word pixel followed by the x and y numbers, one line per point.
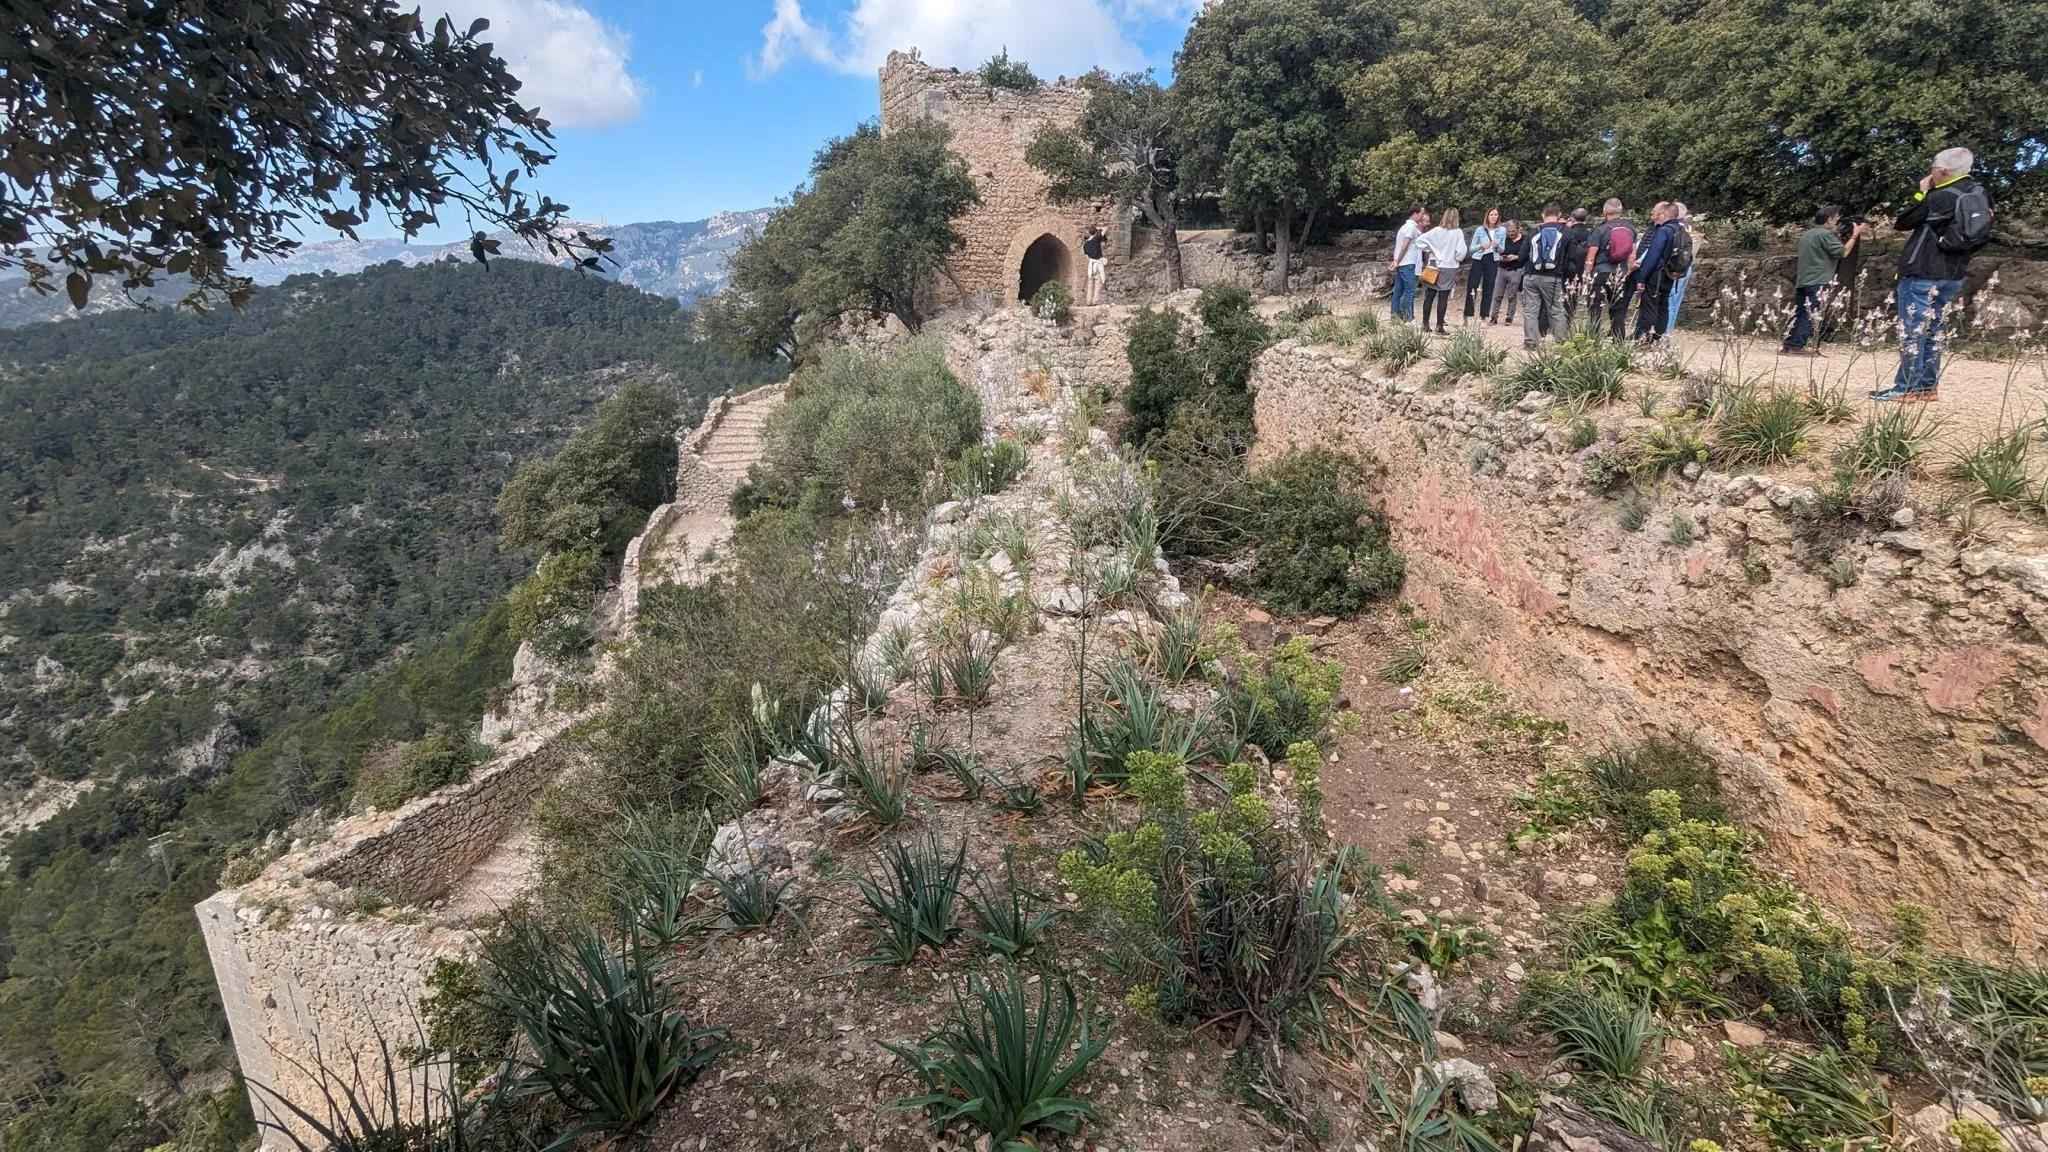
pixel 867 427
pixel 1169 368
pixel 551 608
pixel 596 492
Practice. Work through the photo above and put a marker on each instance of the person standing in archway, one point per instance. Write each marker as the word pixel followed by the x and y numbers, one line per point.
pixel 1098 264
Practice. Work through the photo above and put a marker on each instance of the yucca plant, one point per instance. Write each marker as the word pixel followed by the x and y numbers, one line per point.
pixel 603 1036
pixel 750 900
pixel 732 769
pixel 1179 643
pixel 1130 716
pixel 876 783
pixel 999 1067
pixel 1822 1100
pixel 395 1103
pixel 1012 920
pixel 1598 1031
pixel 969 669
pixel 913 900
pixel 658 858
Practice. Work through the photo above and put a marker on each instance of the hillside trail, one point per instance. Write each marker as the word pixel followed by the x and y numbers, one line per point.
pixel 1979 397
pixel 680 550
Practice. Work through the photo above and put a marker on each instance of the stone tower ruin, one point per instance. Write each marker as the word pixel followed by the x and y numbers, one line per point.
pixel 1016 239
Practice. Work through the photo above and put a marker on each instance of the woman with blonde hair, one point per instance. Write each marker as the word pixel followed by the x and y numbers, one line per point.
pixel 1443 249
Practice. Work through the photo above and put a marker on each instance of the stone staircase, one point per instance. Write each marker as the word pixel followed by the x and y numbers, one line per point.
pixel 714 461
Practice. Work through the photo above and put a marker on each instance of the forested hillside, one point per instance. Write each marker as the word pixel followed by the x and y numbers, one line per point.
pixel 236 552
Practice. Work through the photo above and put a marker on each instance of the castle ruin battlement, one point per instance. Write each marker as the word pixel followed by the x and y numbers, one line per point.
pixel 1016 239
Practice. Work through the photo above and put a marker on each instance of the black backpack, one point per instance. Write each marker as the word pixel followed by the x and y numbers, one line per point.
pixel 1544 252
pixel 1678 257
pixel 1968 226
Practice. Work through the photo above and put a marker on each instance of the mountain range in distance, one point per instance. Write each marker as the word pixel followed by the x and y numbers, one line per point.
pixel 679 259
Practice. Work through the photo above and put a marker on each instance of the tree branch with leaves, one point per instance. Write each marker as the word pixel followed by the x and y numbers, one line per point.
pixel 1123 149
pixel 141 138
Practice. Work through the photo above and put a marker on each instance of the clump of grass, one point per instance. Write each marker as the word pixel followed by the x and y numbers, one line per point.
pixel 876 783
pixel 1468 354
pixel 1129 716
pixel 1997 467
pixel 1598 1031
pixel 1647 398
pixel 1622 779
pixel 1684 530
pixel 1828 403
pixel 914 898
pixel 1766 428
pixel 750 900
pixel 1891 441
pixel 1001 1068
pixel 1841 572
pixel 1405 663
pixel 1398 345
pixel 1823 1100
pixel 1178 646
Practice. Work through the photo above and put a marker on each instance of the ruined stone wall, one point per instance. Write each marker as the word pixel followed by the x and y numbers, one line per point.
pixel 1887 739
pixel 416 854
pixel 992 128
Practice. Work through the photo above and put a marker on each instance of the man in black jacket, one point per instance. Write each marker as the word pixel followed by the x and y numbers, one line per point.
pixel 1930 273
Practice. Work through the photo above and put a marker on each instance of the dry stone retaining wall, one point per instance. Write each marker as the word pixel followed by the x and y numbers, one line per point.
pixel 332 944
pixel 992 128
pixel 1887 739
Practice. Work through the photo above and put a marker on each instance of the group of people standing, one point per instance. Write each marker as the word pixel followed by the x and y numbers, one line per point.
pixel 1547 270
pixel 1615 265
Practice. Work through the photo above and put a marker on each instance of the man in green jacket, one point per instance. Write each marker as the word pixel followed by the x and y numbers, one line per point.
pixel 1820 251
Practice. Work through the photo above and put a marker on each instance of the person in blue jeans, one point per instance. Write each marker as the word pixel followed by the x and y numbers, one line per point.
pixel 1684 217
pixel 1930 274
pixel 1407 262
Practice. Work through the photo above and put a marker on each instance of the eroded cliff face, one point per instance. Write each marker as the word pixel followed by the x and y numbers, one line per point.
pixel 1887 738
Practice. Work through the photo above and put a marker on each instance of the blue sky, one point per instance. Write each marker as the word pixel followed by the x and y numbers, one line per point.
pixel 675 109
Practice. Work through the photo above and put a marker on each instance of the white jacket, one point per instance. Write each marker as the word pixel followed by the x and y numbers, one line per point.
pixel 1446 247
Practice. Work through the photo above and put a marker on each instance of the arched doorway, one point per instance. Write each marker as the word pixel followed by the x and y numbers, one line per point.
pixel 1045 261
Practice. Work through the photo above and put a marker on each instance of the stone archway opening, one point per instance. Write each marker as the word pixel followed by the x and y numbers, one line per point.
pixel 1046 260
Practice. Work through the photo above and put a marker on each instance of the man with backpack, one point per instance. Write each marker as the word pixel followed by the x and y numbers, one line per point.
pixel 1543 281
pixel 1949 218
pixel 1609 256
pixel 1665 257
pixel 1578 238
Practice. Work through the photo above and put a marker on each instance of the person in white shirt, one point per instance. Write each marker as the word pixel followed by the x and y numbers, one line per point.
pixel 1407 262
pixel 1488 240
pixel 1445 248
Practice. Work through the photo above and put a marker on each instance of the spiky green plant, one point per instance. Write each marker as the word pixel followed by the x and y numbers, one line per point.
pixel 1179 645
pixel 1468 354
pixel 657 859
pixel 1758 427
pixel 1405 663
pixel 1130 716
pixel 390 1102
pixel 876 783
pixel 750 899
pixel 999 1067
pixel 1997 467
pixel 1426 1118
pixel 603 1036
pixel 1822 1100
pixel 1891 441
pixel 1012 918
pixel 913 899
pixel 1597 1030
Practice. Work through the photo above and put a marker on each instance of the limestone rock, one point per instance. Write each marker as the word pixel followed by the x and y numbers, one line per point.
pixel 1257 629
pixel 1678 1053
pixel 1744 1035
pixel 1448 1044
pixel 1474 1087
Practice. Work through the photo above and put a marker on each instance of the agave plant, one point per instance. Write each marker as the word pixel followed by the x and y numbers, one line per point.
pixel 603 1034
pixel 1002 1068
pixel 913 899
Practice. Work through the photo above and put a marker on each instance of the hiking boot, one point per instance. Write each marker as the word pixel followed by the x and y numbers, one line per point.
pixel 1920 396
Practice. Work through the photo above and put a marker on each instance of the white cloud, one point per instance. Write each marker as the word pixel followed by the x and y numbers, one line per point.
pixel 1056 37
pixel 572 64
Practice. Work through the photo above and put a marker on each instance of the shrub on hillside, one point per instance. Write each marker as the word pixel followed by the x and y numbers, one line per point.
pixel 1170 367
pixel 866 427
pixel 1215 908
pixel 1200 486
pixel 440 758
pixel 1322 549
pixel 551 608
pixel 596 492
